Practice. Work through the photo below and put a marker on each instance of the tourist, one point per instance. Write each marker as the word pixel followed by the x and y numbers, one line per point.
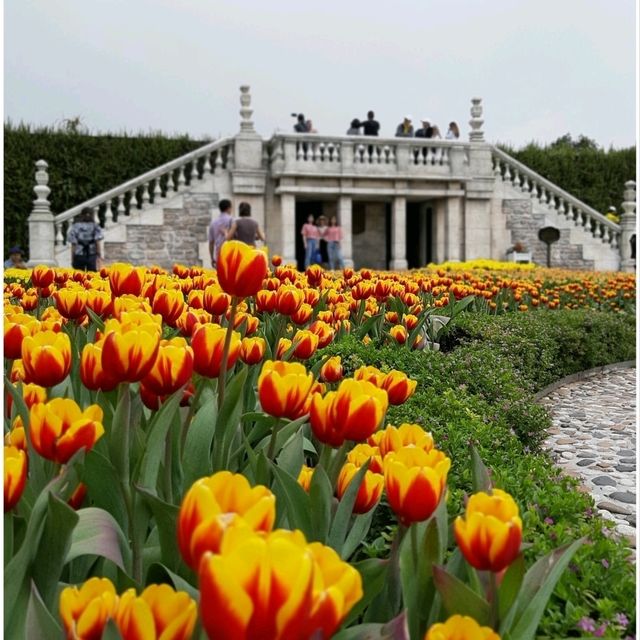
pixel 453 133
pixel 334 237
pixel 310 128
pixel 85 238
pixel 15 260
pixel 301 124
pixel 354 129
pixel 322 256
pixel 371 126
pixel 218 230
pixel 426 131
pixel 310 237
pixel 405 128
pixel 245 228
pixel 435 132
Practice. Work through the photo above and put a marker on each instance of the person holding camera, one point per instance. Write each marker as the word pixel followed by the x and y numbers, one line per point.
pixel 85 238
pixel 301 124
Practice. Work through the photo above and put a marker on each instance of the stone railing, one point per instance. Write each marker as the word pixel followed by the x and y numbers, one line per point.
pixel 314 154
pixel 152 187
pixel 521 177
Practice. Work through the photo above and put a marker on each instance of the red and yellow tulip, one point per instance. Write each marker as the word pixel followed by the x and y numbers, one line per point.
pixel 15 475
pixel 459 627
pixel 46 357
pixel 284 389
pixel 172 368
pixel 208 347
pixel 241 268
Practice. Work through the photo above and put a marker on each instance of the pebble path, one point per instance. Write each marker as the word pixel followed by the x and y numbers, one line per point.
pixel 593 438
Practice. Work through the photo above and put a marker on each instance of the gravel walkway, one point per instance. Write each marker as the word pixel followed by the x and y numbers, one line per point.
pixel 593 438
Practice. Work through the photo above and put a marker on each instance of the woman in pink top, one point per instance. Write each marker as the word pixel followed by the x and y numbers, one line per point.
pixel 310 237
pixel 334 237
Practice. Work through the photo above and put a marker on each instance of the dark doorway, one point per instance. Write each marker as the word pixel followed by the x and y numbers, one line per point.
pixel 305 208
pixel 418 235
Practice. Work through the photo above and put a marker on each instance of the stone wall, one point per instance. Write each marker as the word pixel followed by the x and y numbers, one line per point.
pixel 176 240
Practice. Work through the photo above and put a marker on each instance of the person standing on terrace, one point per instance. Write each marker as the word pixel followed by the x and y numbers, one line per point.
pixel 453 133
pixel 310 238
pixel 426 131
pixel 218 230
pixel 371 126
pixel 405 128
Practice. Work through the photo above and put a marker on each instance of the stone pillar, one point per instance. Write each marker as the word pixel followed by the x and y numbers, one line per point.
pixel 477 227
pixel 439 225
pixel 41 221
pixel 476 134
pixel 345 211
pixel 399 234
pixel 288 228
pixel 628 227
pixel 454 229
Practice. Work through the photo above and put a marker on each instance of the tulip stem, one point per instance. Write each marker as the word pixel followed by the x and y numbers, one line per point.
pixel 414 545
pixel 492 598
pixel 325 457
pixel 274 436
pixel 192 409
pixel 394 589
pixel 222 378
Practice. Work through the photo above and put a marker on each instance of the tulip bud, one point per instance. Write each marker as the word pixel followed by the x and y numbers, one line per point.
pixel 457 627
pixel 208 346
pixel 252 350
pixel 399 387
pixel 283 388
pixel 241 268
pixel 46 358
pixel 126 279
pixel 169 303
pixel 331 370
pixel 369 492
pixel 15 476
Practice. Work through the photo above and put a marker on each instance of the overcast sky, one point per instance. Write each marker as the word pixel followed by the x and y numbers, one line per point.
pixel 542 67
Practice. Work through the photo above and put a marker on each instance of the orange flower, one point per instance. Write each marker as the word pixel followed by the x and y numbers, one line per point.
pixel 215 300
pixel 92 374
pixel 305 343
pixel 266 300
pixel 324 332
pixel 399 333
pixel 129 351
pixel 241 269
pixel 216 504
pixel 406 435
pixel 459 627
pixel 71 303
pixel 86 611
pixel 331 370
pixel 304 477
pixel 415 481
pixel 42 276
pixel 283 388
pixel 208 345
pixel 370 374
pixel 363 452
pixel 99 302
pixel 169 303
pixel 16 327
pixel 126 279
pixel 29 300
pixel 15 476
pixel 59 428
pixel 303 314
pixel 284 344
pixel 275 587
pixel 77 497
pixel 46 358
pixel 288 299
pixel 172 368
pixel 370 489
pixel 360 406
pixel 399 386
pixel 252 350
pixel 490 533
pixel 191 319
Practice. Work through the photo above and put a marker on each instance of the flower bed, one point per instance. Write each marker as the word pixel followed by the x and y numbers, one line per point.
pixel 183 456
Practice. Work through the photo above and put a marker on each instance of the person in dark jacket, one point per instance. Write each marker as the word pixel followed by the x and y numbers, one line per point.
pixel 301 124
pixel 405 128
pixel 426 131
pixel 371 126
pixel 245 228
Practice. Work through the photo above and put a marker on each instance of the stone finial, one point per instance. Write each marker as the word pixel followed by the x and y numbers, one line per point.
pixel 41 204
pixel 246 124
pixel 476 122
pixel 628 228
pixel 629 204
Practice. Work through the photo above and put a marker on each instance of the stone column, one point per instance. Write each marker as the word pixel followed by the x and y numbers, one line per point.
pixel 454 229
pixel 345 211
pixel 439 225
pixel 399 234
pixel 628 227
pixel 41 221
pixel 288 228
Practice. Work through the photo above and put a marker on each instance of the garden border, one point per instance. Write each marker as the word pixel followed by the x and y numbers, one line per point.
pixel 581 375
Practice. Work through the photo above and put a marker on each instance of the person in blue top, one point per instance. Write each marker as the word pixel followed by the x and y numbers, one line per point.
pixel 15 260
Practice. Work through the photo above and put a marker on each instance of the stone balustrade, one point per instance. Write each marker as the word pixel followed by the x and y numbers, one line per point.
pixel 361 155
pixel 528 181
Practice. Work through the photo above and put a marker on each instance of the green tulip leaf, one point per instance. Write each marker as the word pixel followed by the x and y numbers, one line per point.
pixel 457 597
pixel 40 623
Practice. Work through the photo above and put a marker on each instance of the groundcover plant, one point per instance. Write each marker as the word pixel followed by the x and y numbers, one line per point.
pixel 175 466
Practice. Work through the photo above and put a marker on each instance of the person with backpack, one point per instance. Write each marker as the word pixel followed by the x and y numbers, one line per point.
pixel 85 238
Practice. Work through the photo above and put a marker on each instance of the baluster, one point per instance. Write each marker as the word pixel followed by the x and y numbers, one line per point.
pixel 392 155
pixel 527 185
pixel 206 165
pixel 359 154
pixel 195 174
pixel 170 188
pixel 133 202
pixel 576 215
pixel 299 154
pixel 602 229
pixel 145 195
pixel 497 171
pixel 182 177
pixel 265 158
pixel 108 214
pixel 157 191
pixel 444 156
pixel 59 237
pixel 543 197
pixel 313 147
pixel 121 208
pixel 507 173
pixel 218 164
pixel 230 159
pixel 330 151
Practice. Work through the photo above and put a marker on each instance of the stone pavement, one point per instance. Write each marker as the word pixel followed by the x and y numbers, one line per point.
pixel 593 438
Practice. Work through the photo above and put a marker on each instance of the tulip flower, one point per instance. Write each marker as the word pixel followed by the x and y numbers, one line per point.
pixel 399 333
pixel 29 299
pixel 215 300
pixel 283 388
pixel 490 533
pixel 71 303
pixel 191 319
pixel 459 627
pixel 266 300
pixel 127 303
pixel 126 279
pixel 208 345
pixel 275 587
pixel 92 374
pixel 303 314
pixel 406 435
pixel 129 352
pixel 16 327
pixel 370 374
pixel 77 497
pixel 284 344
pixel 360 407
pixel 99 302
pixel 46 357
pixel 158 612
pixel 314 275
pixel 324 332
pixel 363 452
pixel 370 489
pixel 332 370
pixel 216 504
pixel 31 393
pixel 172 368
pixel 42 276
pixel 252 350
pixel 169 303
pixel 59 428
pixel 86 611
pixel 305 343
pixel 415 481
pixel 304 477
pixel 288 299
pixel 241 268
pixel 15 476
pixel 399 386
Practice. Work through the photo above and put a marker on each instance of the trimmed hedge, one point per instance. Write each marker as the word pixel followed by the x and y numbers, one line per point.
pixel 80 166
pixel 481 392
